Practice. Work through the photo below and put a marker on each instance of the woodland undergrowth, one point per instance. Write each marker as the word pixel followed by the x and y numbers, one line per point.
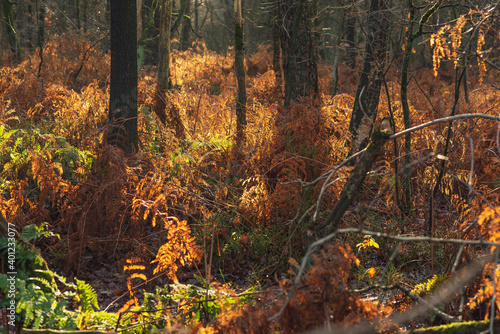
pixel 202 206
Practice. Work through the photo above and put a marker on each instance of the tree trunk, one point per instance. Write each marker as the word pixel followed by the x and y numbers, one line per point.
pixel 77 14
pixel 339 23
pixel 352 51
pixel 367 96
pixel 356 178
pixel 277 51
pixel 404 103
pixel 164 45
pixel 123 86
pixel 84 18
pixel 41 33
pixel 410 38
pixel 186 27
pixel 239 70
pixel 139 20
pixel 298 49
pixel 196 16
pixel 1 36
pixel 10 28
pixel 171 119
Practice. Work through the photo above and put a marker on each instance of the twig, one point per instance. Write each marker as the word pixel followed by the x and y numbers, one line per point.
pixel 450 288
pixel 442 315
pixel 444 120
pixel 466 275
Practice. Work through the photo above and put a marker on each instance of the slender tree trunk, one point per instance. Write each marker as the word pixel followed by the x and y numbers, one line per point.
pixel 1 36
pixel 139 20
pixel 186 27
pixel 196 16
pixel 170 117
pixel 10 28
pixel 277 51
pixel 405 106
pixel 410 38
pixel 77 14
pixel 367 96
pixel 340 15
pixel 123 86
pixel 41 33
pixel 298 49
pixel 85 7
pixel 107 17
pixel 239 69
pixel 164 45
pixel 352 51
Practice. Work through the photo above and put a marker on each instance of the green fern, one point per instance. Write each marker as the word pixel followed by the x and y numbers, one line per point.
pixel 87 296
pixel 32 232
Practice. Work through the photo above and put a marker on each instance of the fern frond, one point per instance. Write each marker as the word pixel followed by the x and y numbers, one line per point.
pixel 44 283
pixel 87 295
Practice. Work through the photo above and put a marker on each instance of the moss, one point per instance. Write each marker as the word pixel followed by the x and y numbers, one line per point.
pixel 470 327
pixel 238 37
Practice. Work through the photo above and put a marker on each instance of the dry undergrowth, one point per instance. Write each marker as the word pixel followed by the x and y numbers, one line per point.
pixel 108 207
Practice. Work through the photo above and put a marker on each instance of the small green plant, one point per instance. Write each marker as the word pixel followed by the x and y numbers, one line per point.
pixel 215 90
pixel 428 286
pixel 188 304
pixel 40 303
pixel 368 241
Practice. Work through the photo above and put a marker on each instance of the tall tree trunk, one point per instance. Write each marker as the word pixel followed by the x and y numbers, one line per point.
pixel 367 96
pixel 239 69
pixel 85 7
pixel 186 27
pixel 139 20
pixel 277 51
pixel 41 33
pixel 352 51
pixel 298 49
pixel 10 28
pixel 107 18
pixel 77 14
pixel 1 36
pixel 123 86
pixel 170 117
pixel 196 16
pixel 339 23
pixel 164 45
pixel 410 38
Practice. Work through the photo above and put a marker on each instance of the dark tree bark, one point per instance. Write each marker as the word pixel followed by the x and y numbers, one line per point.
pixel 355 181
pixel 123 86
pixel 338 22
pixel 196 16
pixel 352 51
pixel 1 36
pixel 411 36
pixel 164 44
pixel 277 51
pixel 10 29
pixel 367 96
pixel 239 70
pixel 77 9
pixel 298 48
pixel 186 27
pixel 168 115
pixel 139 20
pixel 41 33
pixel 85 7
